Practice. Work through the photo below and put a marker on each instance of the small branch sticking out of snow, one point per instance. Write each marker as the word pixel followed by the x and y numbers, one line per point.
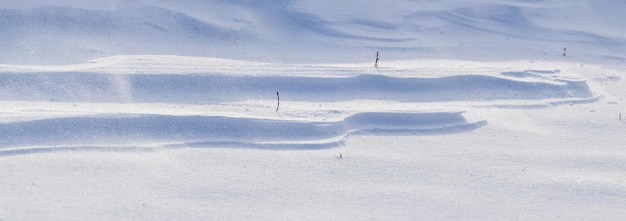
pixel 376 63
pixel 278 99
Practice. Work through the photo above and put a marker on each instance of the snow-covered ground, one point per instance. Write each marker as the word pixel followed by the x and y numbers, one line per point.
pixel 273 110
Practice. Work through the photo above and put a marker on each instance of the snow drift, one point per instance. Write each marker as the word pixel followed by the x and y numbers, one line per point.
pixel 212 88
pixel 87 133
pixel 136 109
pixel 185 129
pixel 48 32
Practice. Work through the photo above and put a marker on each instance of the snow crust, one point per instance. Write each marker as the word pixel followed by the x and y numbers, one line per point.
pixel 169 110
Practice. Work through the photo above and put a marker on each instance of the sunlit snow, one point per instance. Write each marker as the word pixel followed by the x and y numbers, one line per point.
pixel 273 110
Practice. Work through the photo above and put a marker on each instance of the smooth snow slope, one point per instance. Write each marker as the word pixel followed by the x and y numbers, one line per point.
pixel 52 32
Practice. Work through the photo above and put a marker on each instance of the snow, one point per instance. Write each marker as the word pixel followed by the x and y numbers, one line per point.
pixel 161 110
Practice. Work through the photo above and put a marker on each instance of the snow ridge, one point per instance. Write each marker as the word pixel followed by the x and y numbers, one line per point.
pixel 209 131
pixel 212 88
pixel 218 107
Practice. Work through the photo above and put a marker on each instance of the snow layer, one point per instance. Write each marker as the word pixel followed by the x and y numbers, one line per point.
pixel 473 112
pixel 52 32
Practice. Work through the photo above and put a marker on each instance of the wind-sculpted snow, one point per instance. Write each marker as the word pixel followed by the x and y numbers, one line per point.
pixel 170 110
pixel 117 110
pixel 211 88
pixel 89 133
pixel 42 32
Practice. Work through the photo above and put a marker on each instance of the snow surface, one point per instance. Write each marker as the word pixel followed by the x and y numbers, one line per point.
pixel 163 110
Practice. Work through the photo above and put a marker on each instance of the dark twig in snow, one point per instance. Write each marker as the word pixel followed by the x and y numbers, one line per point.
pixel 278 99
pixel 376 63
